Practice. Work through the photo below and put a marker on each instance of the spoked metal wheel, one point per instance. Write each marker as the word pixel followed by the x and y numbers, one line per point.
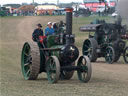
pixel 125 55
pixel 89 49
pixel 109 55
pixel 66 75
pixel 53 69
pixel 85 71
pixel 30 61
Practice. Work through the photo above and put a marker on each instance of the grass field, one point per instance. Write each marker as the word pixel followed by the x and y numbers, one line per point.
pixel 107 79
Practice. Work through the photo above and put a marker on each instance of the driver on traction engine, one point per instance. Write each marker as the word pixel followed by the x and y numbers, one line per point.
pixel 38 35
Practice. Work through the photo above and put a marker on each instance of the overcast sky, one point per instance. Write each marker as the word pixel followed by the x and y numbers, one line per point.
pixel 38 1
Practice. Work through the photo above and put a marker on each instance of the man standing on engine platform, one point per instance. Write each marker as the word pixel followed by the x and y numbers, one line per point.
pixel 37 33
pixel 49 30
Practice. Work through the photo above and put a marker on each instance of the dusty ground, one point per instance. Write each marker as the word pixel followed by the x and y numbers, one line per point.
pixel 107 79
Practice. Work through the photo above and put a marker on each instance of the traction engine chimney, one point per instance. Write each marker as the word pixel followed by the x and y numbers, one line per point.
pixel 69 36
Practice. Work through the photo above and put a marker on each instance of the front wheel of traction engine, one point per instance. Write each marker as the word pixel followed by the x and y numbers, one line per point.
pixel 89 49
pixel 85 71
pixel 30 61
pixel 110 55
pixel 125 55
pixel 53 69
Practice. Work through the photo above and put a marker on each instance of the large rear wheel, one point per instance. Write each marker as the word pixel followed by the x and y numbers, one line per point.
pixel 89 49
pixel 30 61
pixel 117 56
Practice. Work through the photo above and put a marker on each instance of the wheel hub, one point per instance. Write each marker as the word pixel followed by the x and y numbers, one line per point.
pixel 29 59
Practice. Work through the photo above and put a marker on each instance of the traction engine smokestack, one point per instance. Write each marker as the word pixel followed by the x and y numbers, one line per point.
pixel 69 21
pixel 69 36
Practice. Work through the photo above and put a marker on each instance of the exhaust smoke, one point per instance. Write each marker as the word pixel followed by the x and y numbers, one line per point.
pixel 122 8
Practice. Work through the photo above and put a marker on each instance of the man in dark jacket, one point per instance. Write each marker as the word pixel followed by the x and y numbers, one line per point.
pixel 37 32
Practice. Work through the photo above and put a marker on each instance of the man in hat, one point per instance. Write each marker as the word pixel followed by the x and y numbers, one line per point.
pixel 37 32
pixel 49 30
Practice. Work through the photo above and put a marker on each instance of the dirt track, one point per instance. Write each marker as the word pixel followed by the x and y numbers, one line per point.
pixel 107 79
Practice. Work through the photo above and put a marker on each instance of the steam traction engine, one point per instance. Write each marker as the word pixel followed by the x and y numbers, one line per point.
pixel 57 59
pixel 109 41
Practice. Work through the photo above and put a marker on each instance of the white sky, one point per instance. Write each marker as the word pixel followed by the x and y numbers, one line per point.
pixel 38 1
